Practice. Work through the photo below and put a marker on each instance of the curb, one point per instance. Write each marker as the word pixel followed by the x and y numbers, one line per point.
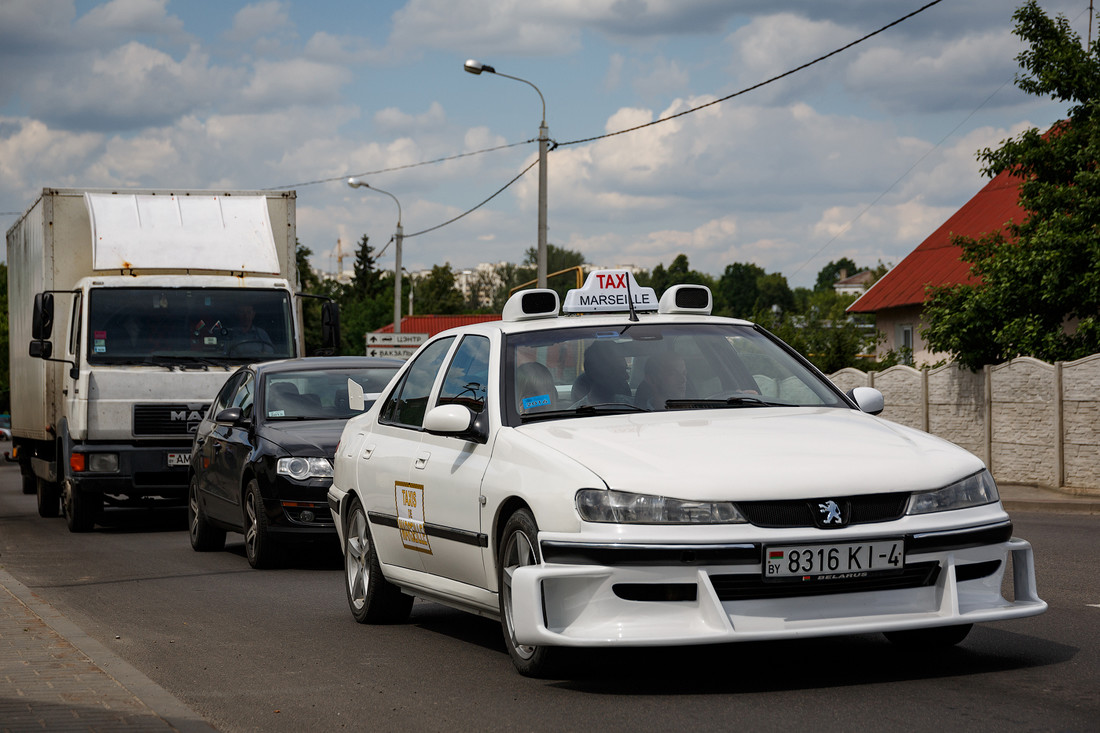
pixel 153 696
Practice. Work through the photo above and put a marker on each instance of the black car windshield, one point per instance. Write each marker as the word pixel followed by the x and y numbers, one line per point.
pixel 323 394
pixel 567 372
pixel 188 327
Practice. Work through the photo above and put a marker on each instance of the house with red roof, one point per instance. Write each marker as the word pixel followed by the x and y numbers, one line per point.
pixel 897 299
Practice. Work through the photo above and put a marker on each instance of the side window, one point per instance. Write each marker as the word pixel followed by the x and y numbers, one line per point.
pixel 467 377
pixel 245 395
pixel 222 400
pixel 408 402
pixel 74 327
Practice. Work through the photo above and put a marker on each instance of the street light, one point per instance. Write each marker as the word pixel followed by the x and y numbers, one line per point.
pixel 476 67
pixel 398 235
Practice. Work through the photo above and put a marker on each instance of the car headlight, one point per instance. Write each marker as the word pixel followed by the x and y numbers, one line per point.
pixel 971 491
pixel 622 507
pixel 303 468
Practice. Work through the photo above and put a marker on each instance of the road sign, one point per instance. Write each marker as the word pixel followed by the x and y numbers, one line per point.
pixel 395 339
pixel 391 352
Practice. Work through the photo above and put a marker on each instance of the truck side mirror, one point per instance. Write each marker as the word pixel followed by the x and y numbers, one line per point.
pixel 42 319
pixel 40 349
pixel 330 326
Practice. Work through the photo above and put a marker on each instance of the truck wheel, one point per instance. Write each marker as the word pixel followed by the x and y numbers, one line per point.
pixel 520 549
pixel 81 509
pixel 258 543
pixel 372 598
pixel 30 483
pixel 205 537
pixel 49 498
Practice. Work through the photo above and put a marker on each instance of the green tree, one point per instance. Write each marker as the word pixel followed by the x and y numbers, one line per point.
pixel 678 272
pixel 844 267
pixel 366 303
pixel 1038 280
pixel 557 260
pixel 736 291
pixel 436 294
pixel 825 334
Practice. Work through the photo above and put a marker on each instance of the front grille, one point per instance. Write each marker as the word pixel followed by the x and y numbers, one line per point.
pixel 751 587
pixel 801 512
pixel 167 420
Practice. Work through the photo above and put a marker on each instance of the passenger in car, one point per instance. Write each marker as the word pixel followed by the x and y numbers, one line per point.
pixel 604 378
pixel 665 379
pixel 535 388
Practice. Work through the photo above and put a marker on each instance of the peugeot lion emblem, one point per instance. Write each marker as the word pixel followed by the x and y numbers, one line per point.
pixel 831 511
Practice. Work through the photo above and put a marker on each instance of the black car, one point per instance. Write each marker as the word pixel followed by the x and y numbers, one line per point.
pixel 261 461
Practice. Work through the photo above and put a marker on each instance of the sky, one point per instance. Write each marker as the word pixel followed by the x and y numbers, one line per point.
pixel 859 156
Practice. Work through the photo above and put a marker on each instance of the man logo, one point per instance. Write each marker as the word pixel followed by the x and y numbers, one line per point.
pixel 831 511
pixel 192 418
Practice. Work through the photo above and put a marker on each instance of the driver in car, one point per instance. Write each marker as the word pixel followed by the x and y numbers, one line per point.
pixel 246 337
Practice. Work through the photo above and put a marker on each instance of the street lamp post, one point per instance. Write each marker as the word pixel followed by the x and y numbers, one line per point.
pixel 476 67
pixel 398 236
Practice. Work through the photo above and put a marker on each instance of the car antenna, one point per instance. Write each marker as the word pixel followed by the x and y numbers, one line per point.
pixel 630 300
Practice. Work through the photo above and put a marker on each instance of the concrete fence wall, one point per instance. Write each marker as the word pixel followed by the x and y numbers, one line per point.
pixel 1030 421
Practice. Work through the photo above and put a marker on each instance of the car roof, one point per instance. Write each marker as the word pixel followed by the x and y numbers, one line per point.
pixel 324 362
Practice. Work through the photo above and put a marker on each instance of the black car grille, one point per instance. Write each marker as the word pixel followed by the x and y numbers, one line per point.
pixel 167 420
pixel 801 512
pixel 753 587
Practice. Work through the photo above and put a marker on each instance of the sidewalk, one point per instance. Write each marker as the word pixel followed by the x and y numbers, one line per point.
pixel 53 676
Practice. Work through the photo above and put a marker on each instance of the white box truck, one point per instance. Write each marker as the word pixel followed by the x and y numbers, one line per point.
pixel 128 310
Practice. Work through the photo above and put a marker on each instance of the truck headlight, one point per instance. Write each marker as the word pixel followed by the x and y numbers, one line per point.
pixel 303 468
pixel 623 507
pixel 971 491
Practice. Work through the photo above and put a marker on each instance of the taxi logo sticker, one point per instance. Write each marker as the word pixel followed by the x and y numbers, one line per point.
pixel 409 499
pixel 542 400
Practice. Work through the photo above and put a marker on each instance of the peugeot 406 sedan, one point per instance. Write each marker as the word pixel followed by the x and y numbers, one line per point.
pixel 261 461
pixel 637 472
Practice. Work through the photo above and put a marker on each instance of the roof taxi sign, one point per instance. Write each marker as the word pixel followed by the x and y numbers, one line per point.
pixel 607 291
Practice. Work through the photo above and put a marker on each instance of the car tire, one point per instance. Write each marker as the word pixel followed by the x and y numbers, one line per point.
pixel 372 598
pixel 519 548
pixel 205 537
pixel 937 637
pixel 81 508
pixel 49 498
pixel 259 546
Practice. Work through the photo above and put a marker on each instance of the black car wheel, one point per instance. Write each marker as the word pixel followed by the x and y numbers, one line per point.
pixel 82 508
pixel 372 598
pixel 520 549
pixel 205 537
pixel 258 544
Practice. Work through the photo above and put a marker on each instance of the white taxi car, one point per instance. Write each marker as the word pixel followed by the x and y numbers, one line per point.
pixel 644 473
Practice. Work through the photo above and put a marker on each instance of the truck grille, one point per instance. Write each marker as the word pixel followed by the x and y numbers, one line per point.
pixel 167 420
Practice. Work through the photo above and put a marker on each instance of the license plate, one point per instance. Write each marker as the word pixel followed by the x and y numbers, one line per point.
pixel 179 459
pixel 805 561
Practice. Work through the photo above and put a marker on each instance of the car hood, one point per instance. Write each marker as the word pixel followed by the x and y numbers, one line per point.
pixel 753 453
pixel 306 437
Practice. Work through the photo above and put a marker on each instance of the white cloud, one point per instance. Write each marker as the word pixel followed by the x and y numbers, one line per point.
pixel 131 16
pixel 260 19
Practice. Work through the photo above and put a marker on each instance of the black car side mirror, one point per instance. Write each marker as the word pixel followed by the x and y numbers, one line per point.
pixel 231 415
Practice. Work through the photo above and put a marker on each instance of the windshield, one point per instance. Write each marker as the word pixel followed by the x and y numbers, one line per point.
pixel 181 325
pixel 649 367
pixel 323 394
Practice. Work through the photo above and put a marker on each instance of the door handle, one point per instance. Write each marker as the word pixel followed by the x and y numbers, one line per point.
pixel 422 460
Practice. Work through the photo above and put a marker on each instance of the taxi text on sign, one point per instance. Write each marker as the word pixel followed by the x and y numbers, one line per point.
pixel 610 291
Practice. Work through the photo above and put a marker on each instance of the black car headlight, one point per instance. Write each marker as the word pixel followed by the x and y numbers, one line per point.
pixel 623 507
pixel 973 490
pixel 303 468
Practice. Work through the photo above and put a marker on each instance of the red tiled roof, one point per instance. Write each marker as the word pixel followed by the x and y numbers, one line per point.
pixel 936 260
pixel 432 325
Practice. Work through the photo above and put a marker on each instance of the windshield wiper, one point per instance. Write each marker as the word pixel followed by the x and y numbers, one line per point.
pixel 600 408
pixel 710 404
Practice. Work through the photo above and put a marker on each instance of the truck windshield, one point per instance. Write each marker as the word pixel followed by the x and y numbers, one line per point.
pixel 181 325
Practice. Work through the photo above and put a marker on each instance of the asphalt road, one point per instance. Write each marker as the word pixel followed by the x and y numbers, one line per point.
pixel 278 650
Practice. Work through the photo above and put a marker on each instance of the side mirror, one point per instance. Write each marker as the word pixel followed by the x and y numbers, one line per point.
pixel 40 349
pixel 42 318
pixel 867 399
pixel 457 421
pixel 330 326
pixel 230 415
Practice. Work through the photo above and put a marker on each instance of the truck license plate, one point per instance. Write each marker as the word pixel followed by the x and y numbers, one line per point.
pixel 178 459
pixel 801 561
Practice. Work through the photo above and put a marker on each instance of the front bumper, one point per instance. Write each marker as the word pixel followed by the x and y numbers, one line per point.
pixel 717 596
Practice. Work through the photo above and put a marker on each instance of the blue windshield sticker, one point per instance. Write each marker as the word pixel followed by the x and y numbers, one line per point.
pixel 607 334
pixel 542 400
